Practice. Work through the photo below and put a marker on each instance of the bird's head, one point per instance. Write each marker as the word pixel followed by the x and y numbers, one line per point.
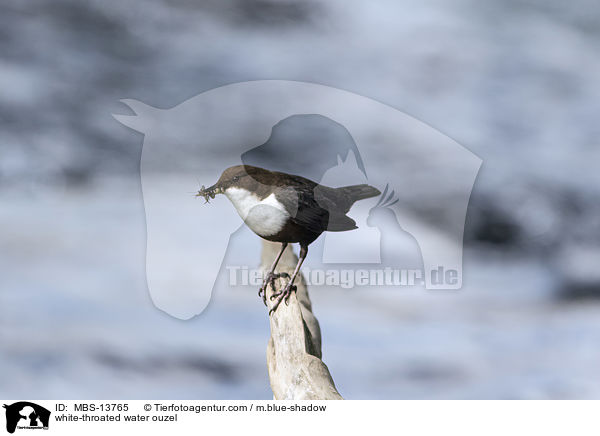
pixel 233 177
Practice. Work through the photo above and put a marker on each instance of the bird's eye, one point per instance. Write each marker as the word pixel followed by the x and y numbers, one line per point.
pixel 236 178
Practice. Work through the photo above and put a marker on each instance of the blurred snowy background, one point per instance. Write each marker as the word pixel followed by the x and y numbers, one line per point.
pixel 516 82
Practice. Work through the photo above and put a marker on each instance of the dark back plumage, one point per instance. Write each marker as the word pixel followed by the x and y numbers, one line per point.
pixel 312 206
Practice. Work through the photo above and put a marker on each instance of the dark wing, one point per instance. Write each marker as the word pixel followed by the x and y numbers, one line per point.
pixel 336 204
pixel 303 209
pixel 341 223
pixel 315 210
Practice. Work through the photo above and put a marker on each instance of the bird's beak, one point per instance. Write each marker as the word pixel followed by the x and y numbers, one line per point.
pixel 209 192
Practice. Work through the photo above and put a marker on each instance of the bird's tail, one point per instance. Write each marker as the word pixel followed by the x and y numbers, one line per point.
pixel 359 192
pixel 338 220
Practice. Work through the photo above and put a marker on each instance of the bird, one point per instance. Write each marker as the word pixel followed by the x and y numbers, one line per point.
pixel 286 208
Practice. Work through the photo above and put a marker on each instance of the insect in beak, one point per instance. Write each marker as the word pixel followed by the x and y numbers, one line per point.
pixel 207 193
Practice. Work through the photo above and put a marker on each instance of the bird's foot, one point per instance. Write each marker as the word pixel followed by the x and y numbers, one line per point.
pixel 270 280
pixel 282 296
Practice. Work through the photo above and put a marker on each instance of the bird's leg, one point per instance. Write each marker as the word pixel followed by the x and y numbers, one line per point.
pixel 271 276
pixel 287 291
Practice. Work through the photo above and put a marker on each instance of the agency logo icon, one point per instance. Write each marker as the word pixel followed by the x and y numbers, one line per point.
pixel 327 135
pixel 24 415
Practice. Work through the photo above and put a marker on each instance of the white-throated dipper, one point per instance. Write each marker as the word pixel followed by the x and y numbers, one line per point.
pixel 285 208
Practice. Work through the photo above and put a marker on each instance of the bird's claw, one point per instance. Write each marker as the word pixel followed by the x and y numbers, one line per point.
pixel 282 296
pixel 270 280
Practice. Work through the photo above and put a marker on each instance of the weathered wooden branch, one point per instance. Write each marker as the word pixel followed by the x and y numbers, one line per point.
pixel 296 370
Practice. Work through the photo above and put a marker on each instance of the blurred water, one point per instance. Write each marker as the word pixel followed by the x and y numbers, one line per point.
pixel 516 82
pixel 76 313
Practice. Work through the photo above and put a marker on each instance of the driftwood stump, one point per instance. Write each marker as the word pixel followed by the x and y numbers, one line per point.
pixel 296 370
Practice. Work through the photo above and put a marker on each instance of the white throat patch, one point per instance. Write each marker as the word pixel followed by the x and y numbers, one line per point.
pixel 264 217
